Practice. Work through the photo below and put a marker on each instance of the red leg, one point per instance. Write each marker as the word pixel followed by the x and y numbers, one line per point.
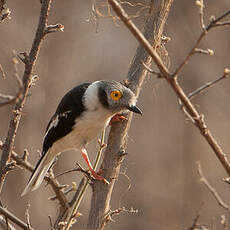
pixel 86 158
pixel 117 117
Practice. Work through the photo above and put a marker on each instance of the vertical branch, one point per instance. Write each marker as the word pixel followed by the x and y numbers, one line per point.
pixel 114 154
pixel 29 61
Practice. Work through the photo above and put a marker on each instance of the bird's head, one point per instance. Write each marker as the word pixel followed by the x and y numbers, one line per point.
pixel 116 97
pixel 112 95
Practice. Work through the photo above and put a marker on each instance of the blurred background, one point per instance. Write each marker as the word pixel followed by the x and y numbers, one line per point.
pixel 163 145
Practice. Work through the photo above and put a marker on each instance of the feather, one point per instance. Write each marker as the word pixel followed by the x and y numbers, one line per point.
pixel 39 173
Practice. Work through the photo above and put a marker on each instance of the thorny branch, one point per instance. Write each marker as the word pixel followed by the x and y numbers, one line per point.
pixel 212 24
pixel 24 163
pixel 211 188
pixel 117 141
pixel 29 60
pixel 8 98
pixel 13 218
pixel 172 78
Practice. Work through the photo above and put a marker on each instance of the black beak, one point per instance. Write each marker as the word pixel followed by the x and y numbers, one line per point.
pixel 134 109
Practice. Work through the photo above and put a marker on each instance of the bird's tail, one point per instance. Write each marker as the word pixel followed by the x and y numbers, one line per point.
pixel 39 173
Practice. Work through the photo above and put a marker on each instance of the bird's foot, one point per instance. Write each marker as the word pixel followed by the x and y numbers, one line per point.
pixel 116 118
pixel 97 176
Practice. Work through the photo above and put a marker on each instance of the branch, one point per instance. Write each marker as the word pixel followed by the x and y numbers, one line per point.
pixel 117 142
pixel 213 23
pixel 24 163
pixel 208 84
pixel 27 78
pixel 14 219
pixel 172 81
pixel 211 189
pixel 2 72
pixel 8 98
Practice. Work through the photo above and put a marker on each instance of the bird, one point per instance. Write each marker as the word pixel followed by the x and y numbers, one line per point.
pixel 81 114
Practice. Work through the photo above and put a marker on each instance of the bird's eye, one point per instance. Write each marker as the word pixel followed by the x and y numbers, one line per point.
pixel 116 95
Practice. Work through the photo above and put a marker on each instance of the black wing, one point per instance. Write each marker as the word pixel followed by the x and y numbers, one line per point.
pixel 63 120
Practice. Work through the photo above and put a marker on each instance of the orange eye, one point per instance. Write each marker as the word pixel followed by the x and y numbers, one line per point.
pixel 116 95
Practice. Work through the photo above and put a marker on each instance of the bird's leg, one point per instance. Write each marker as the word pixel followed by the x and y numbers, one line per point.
pixel 86 158
pixel 117 117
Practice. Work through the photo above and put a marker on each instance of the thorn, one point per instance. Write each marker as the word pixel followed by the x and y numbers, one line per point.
pixel 212 18
pixel 2 72
pixel 125 82
pixel 23 56
pixel 5 14
pixel 54 28
pixel 201 51
pixel 10 166
pixel 165 39
pixel 25 155
pixel 122 153
pixel 227 180
pixel 226 72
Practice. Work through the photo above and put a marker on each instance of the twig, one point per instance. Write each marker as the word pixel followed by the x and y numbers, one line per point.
pixel 108 216
pixel 75 169
pixel 7 223
pixel 224 222
pixel 3 224
pixel 27 217
pixel 79 189
pixel 205 87
pixel 54 28
pixel 222 24
pixel 15 219
pixel 2 72
pixel 207 52
pixel 195 222
pixel 29 66
pixel 8 98
pixel 213 23
pixel 50 221
pixel 211 189
pixel 201 6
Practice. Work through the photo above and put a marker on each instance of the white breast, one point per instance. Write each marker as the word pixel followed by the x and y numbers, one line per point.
pixel 87 126
pixel 86 129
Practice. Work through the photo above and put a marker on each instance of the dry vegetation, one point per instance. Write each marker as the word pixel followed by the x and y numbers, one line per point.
pixel 181 62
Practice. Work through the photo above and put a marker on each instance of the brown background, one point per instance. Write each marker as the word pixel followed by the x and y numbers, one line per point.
pixel 163 145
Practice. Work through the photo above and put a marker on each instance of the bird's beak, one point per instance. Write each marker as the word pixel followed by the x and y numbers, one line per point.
pixel 134 109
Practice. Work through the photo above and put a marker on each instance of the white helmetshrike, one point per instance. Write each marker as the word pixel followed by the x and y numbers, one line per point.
pixel 82 113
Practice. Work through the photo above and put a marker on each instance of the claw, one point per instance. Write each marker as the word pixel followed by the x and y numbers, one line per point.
pixel 116 118
pixel 97 176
